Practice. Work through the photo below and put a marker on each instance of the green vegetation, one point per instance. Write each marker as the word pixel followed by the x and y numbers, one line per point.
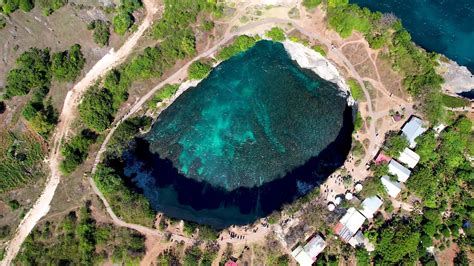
pixel 416 66
pixel 240 44
pixel 75 151
pixel 164 93
pixel 179 14
pixel 356 90
pixel 395 144
pixel 127 204
pixel 101 33
pixel 125 133
pixel 454 102
pixel 358 122
pixel 49 6
pixel 320 49
pixel 396 241
pixel 443 181
pixel 3 22
pixel 199 70
pixel 32 71
pixel 79 240
pixel 310 4
pixel 96 109
pixel 124 20
pixel 372 187
pixel 276 34
pixel 26 5
pixel 20 160
pixel 443 169
pixel 67 65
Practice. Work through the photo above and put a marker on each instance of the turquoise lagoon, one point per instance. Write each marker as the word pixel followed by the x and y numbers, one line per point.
pixel 257 133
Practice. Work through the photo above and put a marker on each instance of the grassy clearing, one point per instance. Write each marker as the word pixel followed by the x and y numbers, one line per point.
pixel 20 160
pixel 454 102
pixel 356 90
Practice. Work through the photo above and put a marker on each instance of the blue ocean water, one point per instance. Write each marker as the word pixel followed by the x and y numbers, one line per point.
pixel 442 26
pixel 256 133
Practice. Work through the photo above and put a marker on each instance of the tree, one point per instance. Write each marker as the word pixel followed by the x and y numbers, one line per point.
pixel 67 65
pixel 101 33
pixel 199 70
pixel 26 5
pixel 9 6
pixel 96 109
pixel 122 22
pixel 372 187
pixel 75 151
pixel 32 71
pixel 3 22
pixel 395 144
pixel 396 242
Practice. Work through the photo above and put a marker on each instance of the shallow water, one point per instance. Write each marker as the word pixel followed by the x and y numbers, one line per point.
pixel 441 26
pixel 255 134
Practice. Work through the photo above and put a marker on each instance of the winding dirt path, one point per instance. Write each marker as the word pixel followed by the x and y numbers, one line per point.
pixel 180 74
pixel 73 97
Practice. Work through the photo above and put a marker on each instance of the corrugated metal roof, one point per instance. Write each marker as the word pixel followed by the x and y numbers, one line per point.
pixel 371 206
pixel 402 173
pixel 393 188
pixel 409 157
pixel 413 129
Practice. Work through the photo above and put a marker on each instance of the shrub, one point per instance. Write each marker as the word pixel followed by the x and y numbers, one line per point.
pixel 276 34
pixel 319 49
pixel 122 22
pixel 96 109
pixel 199 70
pixel 75 151
pixel 454 102
pixel 101 33
pixel 356 90
pixel 240 44
pixel 310 4
pixel 67 65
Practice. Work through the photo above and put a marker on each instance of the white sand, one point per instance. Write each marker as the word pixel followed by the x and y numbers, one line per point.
pixel 310 59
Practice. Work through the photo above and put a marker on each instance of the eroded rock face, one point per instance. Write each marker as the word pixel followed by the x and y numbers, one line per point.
pixel 457 79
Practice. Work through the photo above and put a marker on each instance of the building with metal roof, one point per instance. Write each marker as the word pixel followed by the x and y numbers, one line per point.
pixel 413 129
pixel 392 188
pixel 370 206
pixel 306 255
pixel 349 224
pixel 398 170
pixel 409 157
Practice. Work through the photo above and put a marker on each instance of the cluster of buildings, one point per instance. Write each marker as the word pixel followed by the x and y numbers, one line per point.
pixel 349 226
pixel 408 159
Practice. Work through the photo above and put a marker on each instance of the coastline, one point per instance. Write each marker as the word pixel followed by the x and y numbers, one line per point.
pixel 457 78
pixel 314 61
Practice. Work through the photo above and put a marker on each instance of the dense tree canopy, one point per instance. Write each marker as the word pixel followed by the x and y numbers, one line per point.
pixel 67 65
pixel 122 22
pixel 240 44
pixel 96 109
pixel 75 151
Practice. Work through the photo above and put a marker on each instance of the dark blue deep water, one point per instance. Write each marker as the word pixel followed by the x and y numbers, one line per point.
pixel 257 133
pixel 442 26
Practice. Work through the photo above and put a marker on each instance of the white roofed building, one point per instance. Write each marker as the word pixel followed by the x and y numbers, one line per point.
pixel 306 255
pixel 409 157
pixel 400 171
pixel 392 188
pixel 370 206
pixel 413 129
pixel 349 224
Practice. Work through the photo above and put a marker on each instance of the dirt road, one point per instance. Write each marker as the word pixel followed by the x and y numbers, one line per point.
pixel 73 97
